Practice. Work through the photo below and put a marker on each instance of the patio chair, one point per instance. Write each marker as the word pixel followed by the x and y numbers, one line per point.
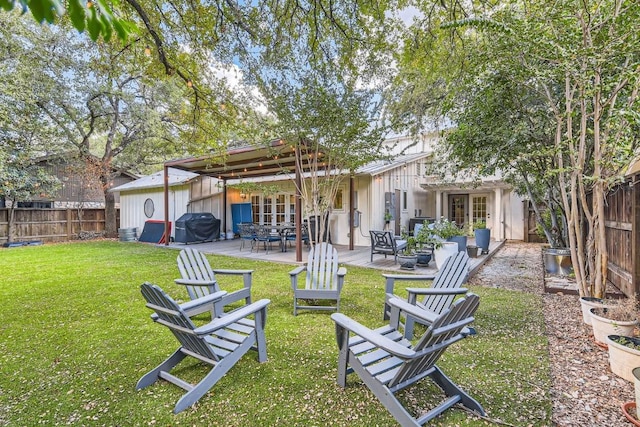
pixel 291 236
pixel 200 279
pixel 445 285
pixel 220 343
pixel 384 242
pixel 388 363
pixel 265 235
pixel 323 280
pixel 247 232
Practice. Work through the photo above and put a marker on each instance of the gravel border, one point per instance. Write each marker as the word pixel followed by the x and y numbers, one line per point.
pixel 584 390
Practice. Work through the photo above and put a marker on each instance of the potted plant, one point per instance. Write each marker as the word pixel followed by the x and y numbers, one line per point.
pixel 407 257
pixel 449 231
pixel 387 218
pixel 586 304
pixel 426 243
pixel 624 355
pixel 482 234
pixel 618 317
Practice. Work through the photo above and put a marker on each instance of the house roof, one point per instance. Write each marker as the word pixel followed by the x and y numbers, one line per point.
pixel 156 180
pixel 275 157
pixel 65 156
pixel 376 168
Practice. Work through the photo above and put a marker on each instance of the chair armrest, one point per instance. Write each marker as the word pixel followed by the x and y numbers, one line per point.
pixel 232 317
pixel 205 300
pixel 437 291
pixel 391 280
pixel 412 310
pixel 195 282
pixel 373 337
pixel 409 276
pixel 247 275
pixel 297 270
pixel 236 272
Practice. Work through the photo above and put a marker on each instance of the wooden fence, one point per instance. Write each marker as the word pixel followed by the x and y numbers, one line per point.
pixel 622 231
pixel 51 225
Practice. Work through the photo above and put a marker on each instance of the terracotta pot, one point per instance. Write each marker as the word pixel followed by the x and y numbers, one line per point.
pixel 623 359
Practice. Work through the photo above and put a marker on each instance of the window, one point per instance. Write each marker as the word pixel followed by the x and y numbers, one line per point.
pixel 148 208
pixel 404 201
pixel 338 201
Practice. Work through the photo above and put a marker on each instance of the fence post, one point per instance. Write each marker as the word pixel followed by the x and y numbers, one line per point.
pixel 69 224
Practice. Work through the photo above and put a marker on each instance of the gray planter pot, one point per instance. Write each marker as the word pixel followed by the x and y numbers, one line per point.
pixel 483 236
pixel 461 241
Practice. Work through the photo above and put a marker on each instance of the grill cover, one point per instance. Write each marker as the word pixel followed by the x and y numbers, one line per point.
pixel 197 227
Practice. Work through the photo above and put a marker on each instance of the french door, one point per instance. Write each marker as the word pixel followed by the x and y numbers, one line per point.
pixel 273 210
pixel 458 208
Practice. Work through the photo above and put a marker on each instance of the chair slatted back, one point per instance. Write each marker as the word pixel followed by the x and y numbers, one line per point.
pixel 444 331
pixel 173 317
pixel 452 275
pixel 193 265
pixel 322 267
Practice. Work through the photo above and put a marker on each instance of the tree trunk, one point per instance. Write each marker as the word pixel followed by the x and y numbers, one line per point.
pixel 110 217
pixel 11 225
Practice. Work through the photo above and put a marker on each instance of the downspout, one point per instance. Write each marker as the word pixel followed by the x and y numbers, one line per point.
pixel 224 207
pixel 352 209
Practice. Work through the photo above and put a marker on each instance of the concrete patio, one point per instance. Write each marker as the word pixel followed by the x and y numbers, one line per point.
pixel 360 256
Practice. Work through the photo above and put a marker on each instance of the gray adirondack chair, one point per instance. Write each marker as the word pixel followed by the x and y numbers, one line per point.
pixel 220 343
pixel 323 279
pixel 446 284
pixel 200 279
pixel 387 362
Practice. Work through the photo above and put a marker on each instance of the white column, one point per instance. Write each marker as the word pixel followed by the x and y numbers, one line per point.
pixel 498 215
pixel 438 212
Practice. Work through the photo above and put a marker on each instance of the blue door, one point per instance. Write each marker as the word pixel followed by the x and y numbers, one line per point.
pixel 240 212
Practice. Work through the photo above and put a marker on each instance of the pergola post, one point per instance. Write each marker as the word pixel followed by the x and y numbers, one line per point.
pixel 298 217
pixel 166 206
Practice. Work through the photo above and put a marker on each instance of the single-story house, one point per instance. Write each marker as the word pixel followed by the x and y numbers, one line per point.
pixel 399 186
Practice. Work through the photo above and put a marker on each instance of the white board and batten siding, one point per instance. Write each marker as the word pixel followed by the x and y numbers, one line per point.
pixel 132 212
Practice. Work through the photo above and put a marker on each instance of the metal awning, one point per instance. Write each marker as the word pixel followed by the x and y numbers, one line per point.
pixel 274 158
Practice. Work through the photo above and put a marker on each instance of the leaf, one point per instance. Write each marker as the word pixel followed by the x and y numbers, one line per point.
pixel 107 30
pixel 77 14
pixel 6 5
pixel 94 25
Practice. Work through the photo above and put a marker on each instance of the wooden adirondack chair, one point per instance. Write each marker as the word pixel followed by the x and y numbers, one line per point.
pixel 324 278
pixel 445 286
pixel 220 343
pixel 387 362
pixel 200 279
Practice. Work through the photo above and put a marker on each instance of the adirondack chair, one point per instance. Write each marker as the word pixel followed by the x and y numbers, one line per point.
pixel 200 279
pixel 384 242
pixel 387 362
pixel 323 280
pixel 445 286
pixel 220 343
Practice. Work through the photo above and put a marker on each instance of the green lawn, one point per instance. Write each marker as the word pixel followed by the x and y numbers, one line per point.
pixel 75 336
